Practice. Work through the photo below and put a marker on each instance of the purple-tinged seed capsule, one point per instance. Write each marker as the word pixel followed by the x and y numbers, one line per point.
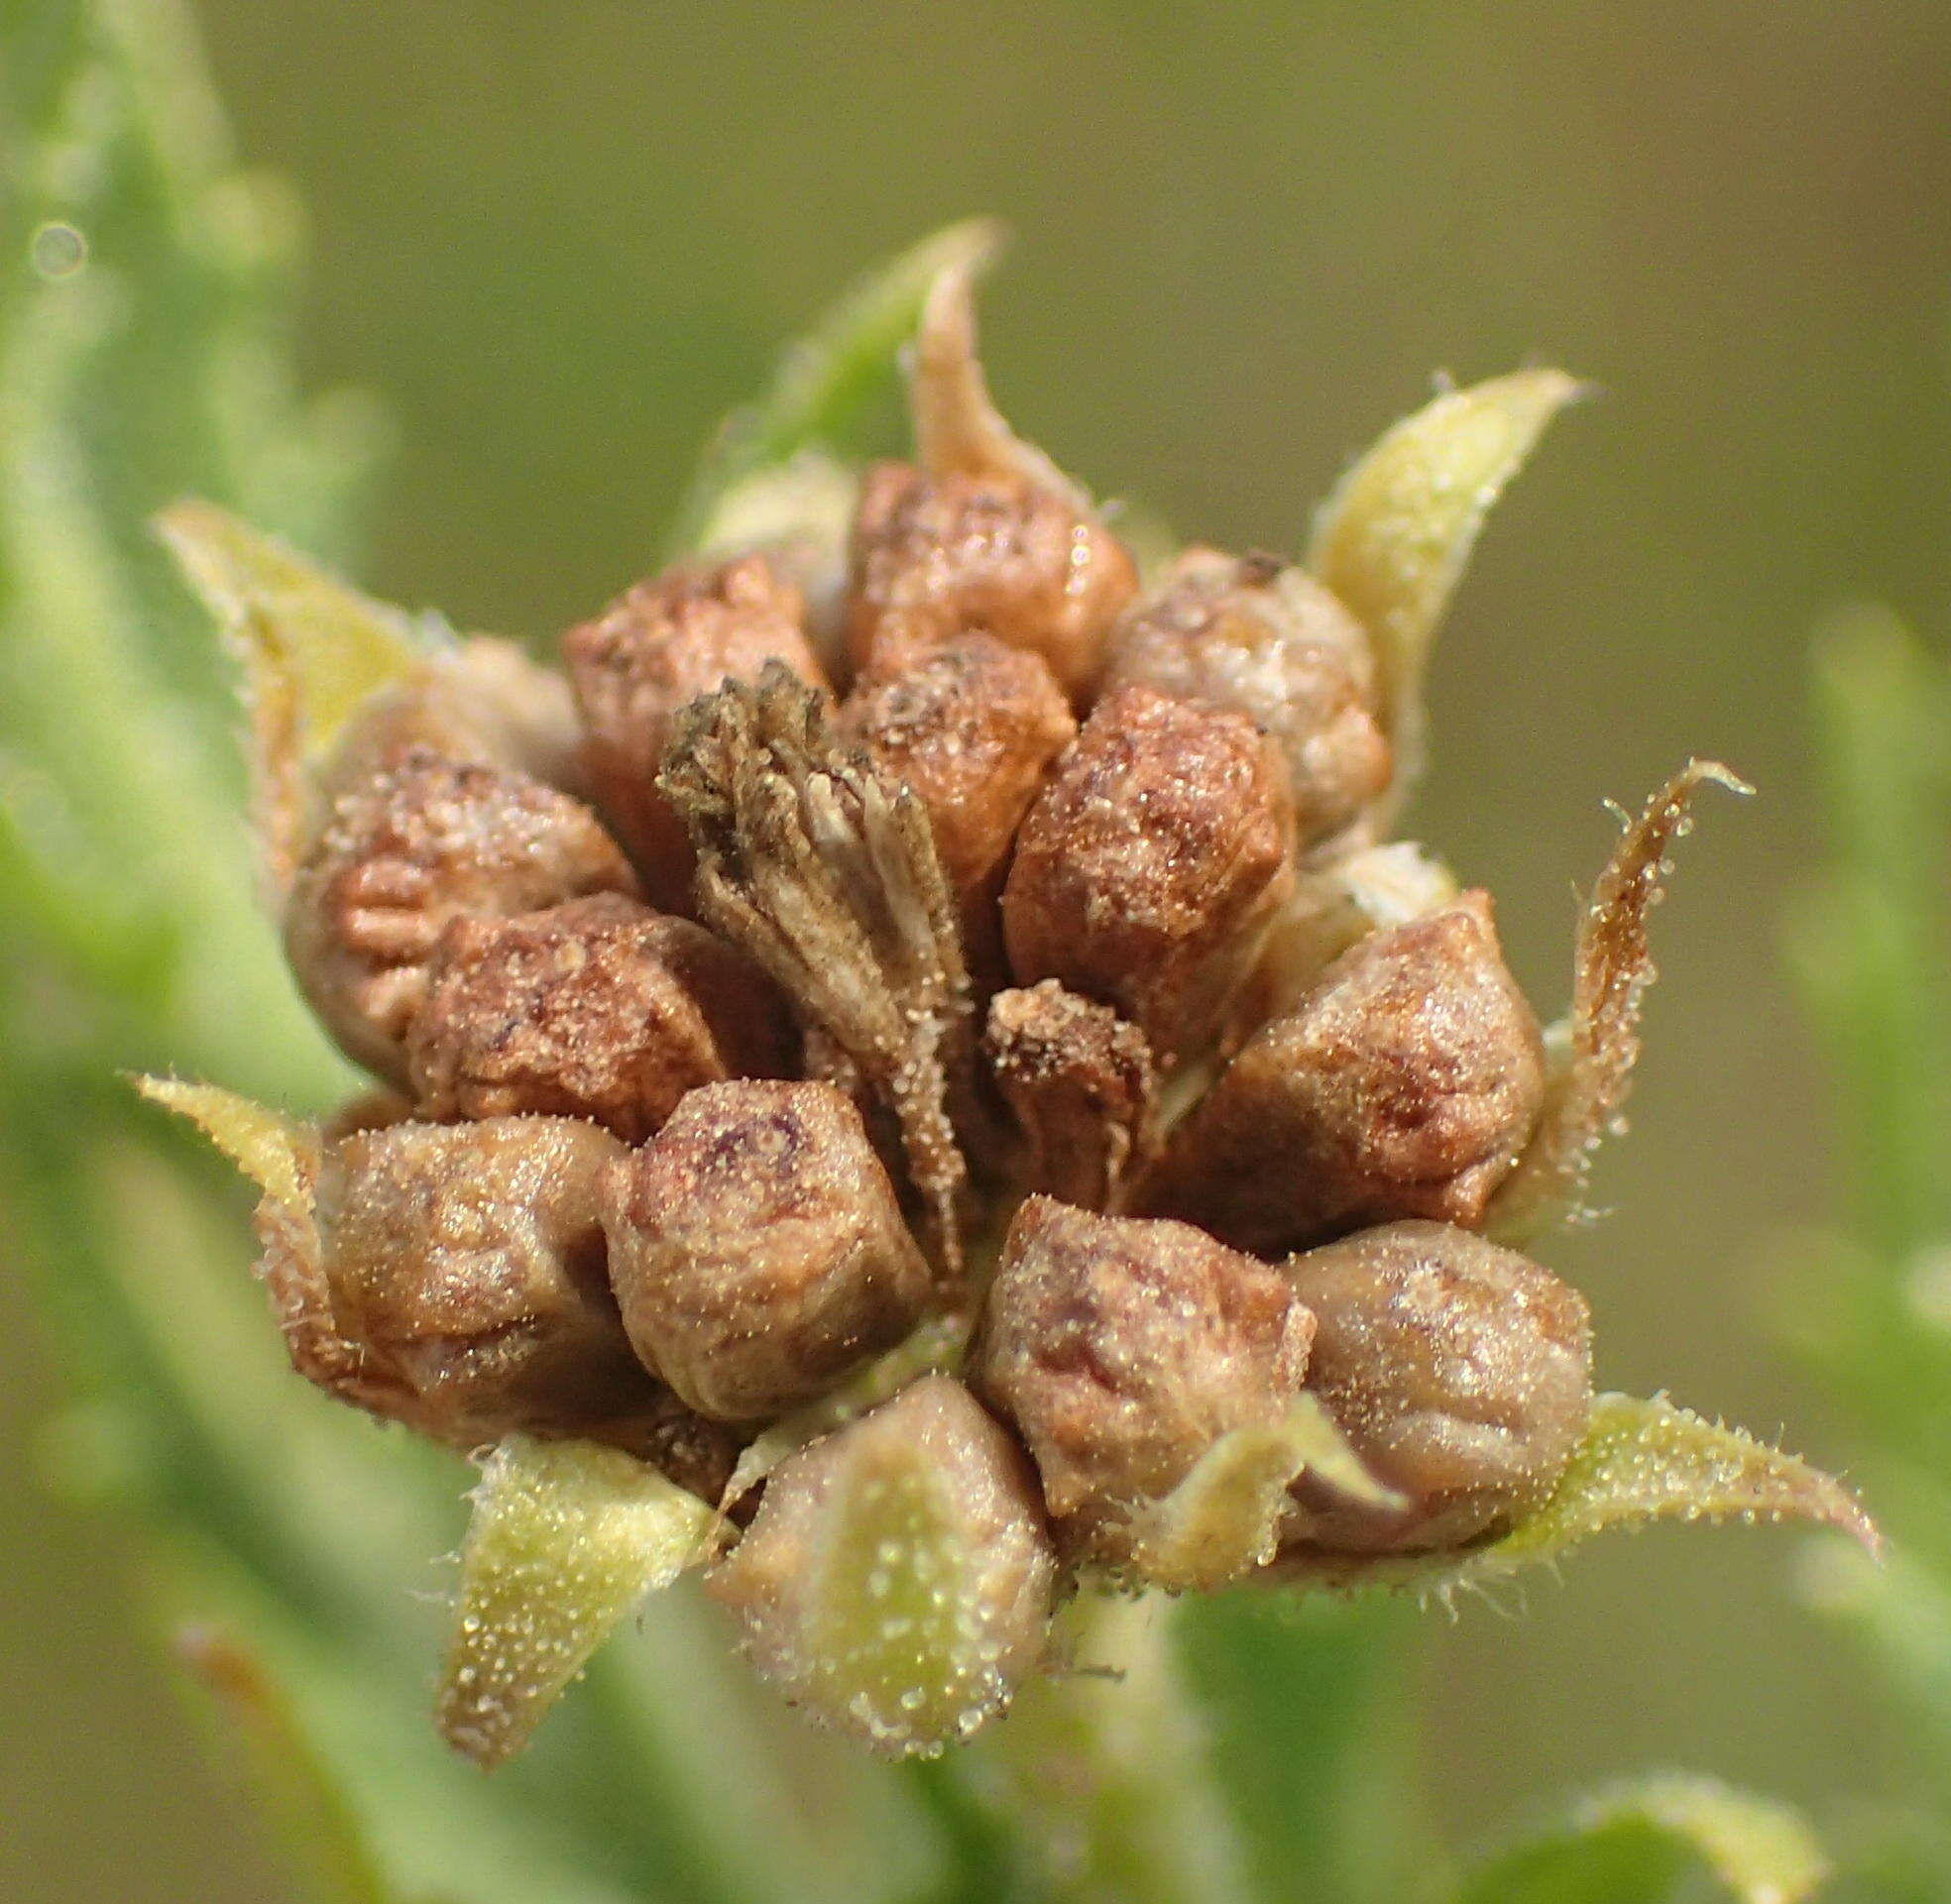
pixel 1152 865
pixel 600 1008
pixel 652 651
pixel 1121 1349
pixel 402 853
pixel 1266 640
pixel 1405 1083
pixel 897 1583
pixel 757 1251
pixel 1460 1372
pixel 969 728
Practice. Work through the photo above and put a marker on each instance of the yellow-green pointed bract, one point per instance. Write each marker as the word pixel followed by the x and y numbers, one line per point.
pixel 1393 538
pixel 1224 1520
pixel 277 1153
pixel 566 1538
pixel 298 626
pixel 888 1631
pixel 1640 1460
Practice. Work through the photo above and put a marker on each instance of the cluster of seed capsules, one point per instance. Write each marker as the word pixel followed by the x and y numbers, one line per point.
pixel 933 988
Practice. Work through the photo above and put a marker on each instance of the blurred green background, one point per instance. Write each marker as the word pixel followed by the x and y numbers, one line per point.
pixel 559 241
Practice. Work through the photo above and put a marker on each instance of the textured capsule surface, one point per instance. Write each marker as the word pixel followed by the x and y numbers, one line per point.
pixel 970 729
pixel 936 556
pixel 1263 638
pixel 756 1248
pixel 600 1008
pixel 1121 1349
pixel 897 1581
pixel 1152 865
pixel 1460 1372
pixel 465 1265
pixel 403 853
pixel 654 649
pixel 1405 1083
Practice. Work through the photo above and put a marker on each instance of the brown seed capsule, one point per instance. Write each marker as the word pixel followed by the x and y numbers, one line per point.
pixel 452 1276
pixel 757 1251
pixel 657 647
pixel 1405 1084
pixel 897 1581
pixel 971 728
pixel 405 852
pixel 936 556
pixel 1460 1372
pixel 1266 640
pixel 1082 1084
pixel 1152 865
pixel 600 1008
pixel 1122 1350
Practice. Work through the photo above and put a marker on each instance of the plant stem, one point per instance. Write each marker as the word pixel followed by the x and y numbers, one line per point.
pixel 1103 1770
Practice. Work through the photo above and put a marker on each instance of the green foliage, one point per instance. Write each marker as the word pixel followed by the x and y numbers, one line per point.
pixel 1871 946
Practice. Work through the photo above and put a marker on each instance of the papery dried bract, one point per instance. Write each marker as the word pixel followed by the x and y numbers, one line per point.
pixel 1392 539
pixel 897 1582
pixel 566 1538
pixel 825 872
pixel 1594 1050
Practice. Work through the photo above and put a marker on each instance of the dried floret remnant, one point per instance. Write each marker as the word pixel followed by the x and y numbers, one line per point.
pixel 897 1219
pixel 1263 637
pixel 1406 1084
pixel 1152 865
pixel 1121 1350
pixel 407 850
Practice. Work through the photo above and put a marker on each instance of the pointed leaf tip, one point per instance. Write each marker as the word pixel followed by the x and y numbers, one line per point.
pixel 1640 1461
pixel 1645 1837
pixel 566 1538
pixel 1393 538
pixel 1595 1049
pixel 277 1153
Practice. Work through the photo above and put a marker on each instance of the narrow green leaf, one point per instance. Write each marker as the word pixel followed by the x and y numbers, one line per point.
pixel 827 380
pixel 1393 537
pixel 1646 1843
pixel 1640 1461
pixel 566 1538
